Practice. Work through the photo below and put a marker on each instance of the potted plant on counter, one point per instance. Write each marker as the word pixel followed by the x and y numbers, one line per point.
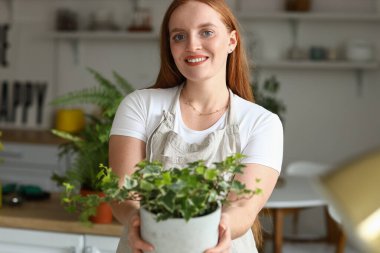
pixel 89 147
pixel 176 204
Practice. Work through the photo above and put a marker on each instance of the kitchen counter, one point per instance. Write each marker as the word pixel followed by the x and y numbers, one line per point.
pixel 30 136
pixel 49 215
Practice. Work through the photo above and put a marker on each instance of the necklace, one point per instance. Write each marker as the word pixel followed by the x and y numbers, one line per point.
pixel 187 102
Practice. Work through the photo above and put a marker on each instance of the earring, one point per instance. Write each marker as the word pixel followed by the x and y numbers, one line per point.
pixel 230 50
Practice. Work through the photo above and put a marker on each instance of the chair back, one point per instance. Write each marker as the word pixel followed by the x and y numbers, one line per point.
pixel 306 169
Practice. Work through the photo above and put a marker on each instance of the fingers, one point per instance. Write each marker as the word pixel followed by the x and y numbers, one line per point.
pixel 225 242
pixel 134 240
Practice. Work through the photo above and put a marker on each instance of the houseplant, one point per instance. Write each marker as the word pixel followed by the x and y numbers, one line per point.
pixel 169 198
pixel 266 96
pixel 89 147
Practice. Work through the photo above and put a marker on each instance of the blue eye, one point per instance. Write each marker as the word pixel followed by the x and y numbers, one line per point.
pixel 178 37
pixel 207 33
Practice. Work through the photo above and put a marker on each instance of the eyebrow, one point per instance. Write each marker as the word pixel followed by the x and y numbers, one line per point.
pixel 200 26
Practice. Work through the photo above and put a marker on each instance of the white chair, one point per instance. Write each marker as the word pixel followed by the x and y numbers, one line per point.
pixel 303 169
pixel 340 237
pixel 313 169
pixel 306 169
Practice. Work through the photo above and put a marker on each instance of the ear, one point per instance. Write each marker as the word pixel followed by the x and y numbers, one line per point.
pixel 233 41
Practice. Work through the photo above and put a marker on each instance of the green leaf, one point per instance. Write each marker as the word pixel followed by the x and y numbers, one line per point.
pixel 167 201
pixel 210 174
pixel 66 136
pixel 146 186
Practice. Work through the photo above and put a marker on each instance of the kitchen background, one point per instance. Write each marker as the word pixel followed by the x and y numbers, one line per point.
pixel 332 100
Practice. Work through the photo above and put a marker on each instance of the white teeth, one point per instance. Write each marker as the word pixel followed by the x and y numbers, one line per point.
pixel 196 60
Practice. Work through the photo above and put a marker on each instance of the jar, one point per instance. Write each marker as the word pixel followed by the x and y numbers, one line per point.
pixel 359 50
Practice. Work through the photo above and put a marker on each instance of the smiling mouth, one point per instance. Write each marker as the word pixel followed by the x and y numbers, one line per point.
pixel 196 60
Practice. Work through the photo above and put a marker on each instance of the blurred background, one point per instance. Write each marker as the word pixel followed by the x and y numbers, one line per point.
pixel 324 55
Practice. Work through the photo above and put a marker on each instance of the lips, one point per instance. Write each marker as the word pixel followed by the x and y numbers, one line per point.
pixel 195 59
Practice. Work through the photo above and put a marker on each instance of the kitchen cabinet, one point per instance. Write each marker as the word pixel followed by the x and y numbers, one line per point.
pixel 31 158
pixel 45 226
pixel 20 241
pixel 100 244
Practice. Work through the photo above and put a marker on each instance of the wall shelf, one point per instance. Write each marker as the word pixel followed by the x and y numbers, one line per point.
pixel 325 16
pixel 105 35
pixel 317 65
pixel 76 37
pixel 357 67
pixel 294 19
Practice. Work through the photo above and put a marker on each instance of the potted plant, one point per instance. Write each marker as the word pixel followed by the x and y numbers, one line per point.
pixel 266 96
pixel 89 147
pixel 178 203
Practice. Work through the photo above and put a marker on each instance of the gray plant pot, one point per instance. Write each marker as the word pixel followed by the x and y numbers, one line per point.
pixel 179 236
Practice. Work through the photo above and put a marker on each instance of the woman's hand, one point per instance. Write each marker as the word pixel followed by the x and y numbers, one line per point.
pixel 134 239
pixel 225 241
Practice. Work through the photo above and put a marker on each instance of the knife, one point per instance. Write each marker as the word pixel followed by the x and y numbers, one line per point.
pixel 40 89
pixel 4 102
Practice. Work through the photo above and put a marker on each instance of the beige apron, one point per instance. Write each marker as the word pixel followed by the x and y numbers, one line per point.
pixel 168 147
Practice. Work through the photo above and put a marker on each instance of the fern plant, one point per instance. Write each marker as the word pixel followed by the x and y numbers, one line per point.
pixel 89 147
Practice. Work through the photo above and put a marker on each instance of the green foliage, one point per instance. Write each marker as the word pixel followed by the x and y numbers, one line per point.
pixel 89 147
pixel 266 96
pixel 192 191
pixel 107 95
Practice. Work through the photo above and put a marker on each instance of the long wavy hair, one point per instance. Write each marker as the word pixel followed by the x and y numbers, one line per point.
pixel 237 67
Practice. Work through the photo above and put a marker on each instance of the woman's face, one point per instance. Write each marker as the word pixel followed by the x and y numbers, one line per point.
pixel 200 41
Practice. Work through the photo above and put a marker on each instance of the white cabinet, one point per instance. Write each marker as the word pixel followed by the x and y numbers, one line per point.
pixel 100 244
pixel 34 241
pixel 31 164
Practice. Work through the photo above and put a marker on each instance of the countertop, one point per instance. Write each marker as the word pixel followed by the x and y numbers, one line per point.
pixel 30 136
pixel 49 215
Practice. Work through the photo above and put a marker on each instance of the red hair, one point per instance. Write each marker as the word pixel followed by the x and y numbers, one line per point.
pixel 237 66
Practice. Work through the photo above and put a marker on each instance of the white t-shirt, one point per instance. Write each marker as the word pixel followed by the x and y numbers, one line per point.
pixel 261 133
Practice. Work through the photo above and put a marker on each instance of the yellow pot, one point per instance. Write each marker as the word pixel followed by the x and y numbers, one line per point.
pixel 69 120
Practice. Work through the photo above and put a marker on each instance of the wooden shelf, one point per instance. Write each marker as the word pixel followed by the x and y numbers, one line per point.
pixel 322 65
pixel 346 17
pixel 106 35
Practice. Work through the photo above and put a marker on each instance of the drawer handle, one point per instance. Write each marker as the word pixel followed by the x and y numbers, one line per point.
pixel 11 154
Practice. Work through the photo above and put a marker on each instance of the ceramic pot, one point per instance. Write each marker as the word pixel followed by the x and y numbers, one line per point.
pixel 179 236
pixel 70 120
pixel 103 212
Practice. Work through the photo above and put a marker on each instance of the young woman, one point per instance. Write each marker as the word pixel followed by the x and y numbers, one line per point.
pixel 199 108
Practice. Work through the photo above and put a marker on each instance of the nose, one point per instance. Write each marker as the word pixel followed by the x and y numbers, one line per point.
pixel 193 43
